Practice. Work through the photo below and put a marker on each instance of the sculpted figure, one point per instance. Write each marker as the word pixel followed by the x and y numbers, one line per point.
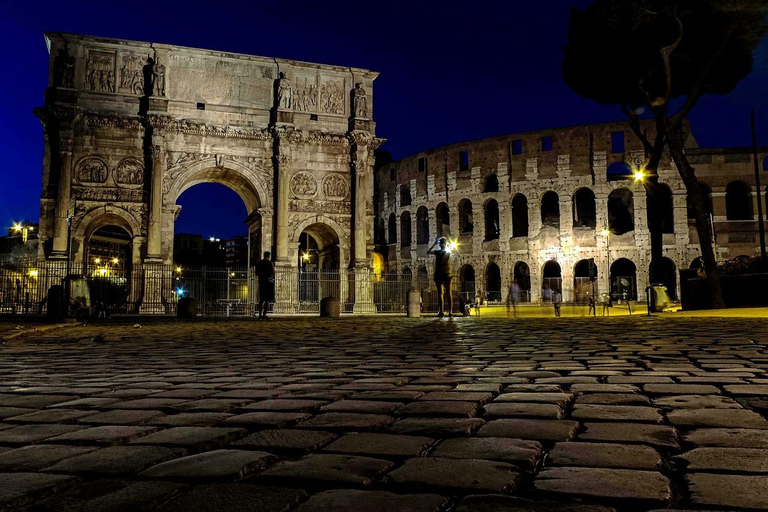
pixel 284 92
pixel 158 77
pixel 64 69
pixel 359 101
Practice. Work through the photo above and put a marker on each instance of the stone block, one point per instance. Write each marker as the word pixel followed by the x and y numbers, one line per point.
pixel 655 435
pixel 437 427
pixel 462 396
pixel 267 418
pixel 746 460
pixel 741 418
pixel 604 483
pixel 213 465
pixel 235 497
pixel 728 437
pixel 116 460
pixel 616 413
pixel 458 474
pixel 497 503
pixel 286 404
pixel 50 416
pixel 19 489
pixel 439 408
pixel 196 438
pixel 121 417
pixel 27 434
pixel 349 500
pixel 111 496
pixel 540 430
pixel 560 399
pixel 38 456
pixel 346 421
pixel 612 399
pixel 604 455
pixel 336 470
pixel 106 435
pixel 737 491
pixel 681 389
pixel 514 451
pixel 522 410
pixel 696 402
pixel 382 445
pixel 190 419
pixel 361 406
pixel 301 441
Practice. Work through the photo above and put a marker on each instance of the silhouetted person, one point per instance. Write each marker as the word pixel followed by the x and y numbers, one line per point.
pixel 513 297
pixel 557 300
pixel 266 274
pixel 442 275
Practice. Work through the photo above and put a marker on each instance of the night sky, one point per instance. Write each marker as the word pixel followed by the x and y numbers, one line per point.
pixel 447 74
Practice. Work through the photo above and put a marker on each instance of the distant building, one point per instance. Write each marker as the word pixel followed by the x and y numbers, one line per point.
pixel 191 250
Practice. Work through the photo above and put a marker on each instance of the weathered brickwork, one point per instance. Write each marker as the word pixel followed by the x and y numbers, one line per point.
pixel 514 173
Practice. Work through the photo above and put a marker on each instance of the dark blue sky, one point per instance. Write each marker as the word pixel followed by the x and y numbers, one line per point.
pixel 448 73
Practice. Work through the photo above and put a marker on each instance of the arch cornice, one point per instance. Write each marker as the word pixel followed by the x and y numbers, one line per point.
pixel 107 215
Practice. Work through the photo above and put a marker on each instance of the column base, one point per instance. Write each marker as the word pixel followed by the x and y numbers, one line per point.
pixel 58 255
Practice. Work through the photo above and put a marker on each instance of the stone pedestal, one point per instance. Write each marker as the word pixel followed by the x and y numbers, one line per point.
pixel 363 291
pixel 152 303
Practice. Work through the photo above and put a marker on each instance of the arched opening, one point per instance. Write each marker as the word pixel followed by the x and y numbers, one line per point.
pixel 552 280
pixel 466 224
pixel 623 280
pixel 666 274
pixel 621 211
pixel 392 229
pixel 319 262
pixel 467 283
pixel 519 216
pixel 550 210
pixel 584 211
pixel 521 274
pixel 707 193
pixel 108 257
pixel 405 229
pixel 697 263
pixel 423 279
pixel 405 196
pixel 738 201
pixel 491 183
pixel 660 204
pixel 493 282
pixel 618 171
pixel 582 283
pixel 422 225
pixel 492 220
pixel 443 216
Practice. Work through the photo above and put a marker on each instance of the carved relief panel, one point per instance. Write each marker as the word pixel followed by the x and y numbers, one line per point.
pixel 132 74
pixel 335 187
pixel 130 173
pixel 303 185
pixel 305 93
pixel 333 95
pixel 100 71
pixel 91 170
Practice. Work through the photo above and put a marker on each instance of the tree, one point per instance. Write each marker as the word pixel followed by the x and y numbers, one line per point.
pixel 660 57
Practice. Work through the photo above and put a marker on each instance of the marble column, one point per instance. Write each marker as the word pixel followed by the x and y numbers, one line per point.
pixel 63 199
pixel 155 232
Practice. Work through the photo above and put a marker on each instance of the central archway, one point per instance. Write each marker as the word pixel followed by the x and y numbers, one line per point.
pixel 319 258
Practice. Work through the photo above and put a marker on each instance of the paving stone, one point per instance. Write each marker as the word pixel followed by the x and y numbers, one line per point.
pixel 249 394
pixel 604 388
pixel 656 435
pixel 604 455
pixel 361 406
pixel 541 430
pixel 515 451
pixel 107 435
pixel 26 434
pixel 381 445
pixel 116 460
pixel 191 419
pixel 50 416
pixel 491 387
pixel 523 410
pixel 211 404
pixel 750 389
pixel 554 398
pixel 747 460
pixel 286 404
pixel 267 418
pixel 90 402
pixel 349 500
pixel 737 491
pixel 462 396
pixel 199 438
pixel 633 379
pixel 302 441
pixel 19 489
pixel 681 389
pixel 121 417
pixel 604 483
pixel 612 399
pixel 342 420
pixel 616 413
pixel 696 402
pixel 439 408
pixel 741 418
pixel 190 393
pixel 464 474
pixel 497 503
pixel 38 456
pixel 217 464
pixel 235 497
pixel 728 437
pixel 146 403
pixel 10 412
pixel 33 401
pixel 389 395
pixel 330 469
pixel 111 496
pixel 437 427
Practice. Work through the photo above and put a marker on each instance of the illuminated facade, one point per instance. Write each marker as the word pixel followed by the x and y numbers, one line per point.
pixel 535 207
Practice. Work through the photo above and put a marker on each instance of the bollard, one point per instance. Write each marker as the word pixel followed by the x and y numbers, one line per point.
pixel 329 307
pixel 186 308
pixel 56 310
pixel 414 304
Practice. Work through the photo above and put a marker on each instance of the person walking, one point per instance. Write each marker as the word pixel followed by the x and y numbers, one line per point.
pixel 557 300
pixel 592 310
pixel 442 276
pixel 513 297
pixel 266 274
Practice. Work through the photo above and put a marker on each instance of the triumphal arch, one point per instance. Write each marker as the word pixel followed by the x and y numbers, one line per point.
pixel 129 126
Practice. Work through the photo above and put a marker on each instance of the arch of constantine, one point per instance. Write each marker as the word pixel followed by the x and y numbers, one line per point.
pixel 129 126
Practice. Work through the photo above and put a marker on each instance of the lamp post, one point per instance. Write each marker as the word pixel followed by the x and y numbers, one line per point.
pixel 607 234
pixel 23 230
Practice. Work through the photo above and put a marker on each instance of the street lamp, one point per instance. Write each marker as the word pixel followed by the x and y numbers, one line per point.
pixel 607 234
pixel 23 230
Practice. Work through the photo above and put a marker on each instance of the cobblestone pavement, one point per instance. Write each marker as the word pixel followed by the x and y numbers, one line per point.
pixel 388 414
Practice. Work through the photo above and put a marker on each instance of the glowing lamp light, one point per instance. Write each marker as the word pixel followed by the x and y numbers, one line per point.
pixel 305 257
pixel 452 246
pixel 33 273
pixel 17 227
pixel 103 272
pixel 97 261
pixel 180 292
pixel 639 175
pixel 115 261
pixel 605 232
pixel 178 270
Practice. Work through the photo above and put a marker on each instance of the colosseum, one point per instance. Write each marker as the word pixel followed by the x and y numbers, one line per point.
pixel 535 207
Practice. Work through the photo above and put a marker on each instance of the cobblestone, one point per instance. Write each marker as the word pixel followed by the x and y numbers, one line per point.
pixel 594 412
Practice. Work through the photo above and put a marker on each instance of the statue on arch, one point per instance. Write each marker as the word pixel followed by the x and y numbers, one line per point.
pixel 359 101
pixel 284 92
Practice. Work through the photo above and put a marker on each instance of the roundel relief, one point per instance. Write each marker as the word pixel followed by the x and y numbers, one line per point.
pixel 129 172
pixel 91 170
pixel 335 186
pixel 303 184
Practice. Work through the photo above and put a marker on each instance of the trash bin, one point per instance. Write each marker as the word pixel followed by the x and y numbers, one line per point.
pixel 659 297
pixel 414 304
pixel 329 307
pixel 56 310
pixel 186 308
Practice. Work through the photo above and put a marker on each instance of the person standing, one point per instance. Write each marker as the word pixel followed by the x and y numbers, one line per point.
pixel 442 275
pixel 266 274
pixel 557 300
pixel 513 297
